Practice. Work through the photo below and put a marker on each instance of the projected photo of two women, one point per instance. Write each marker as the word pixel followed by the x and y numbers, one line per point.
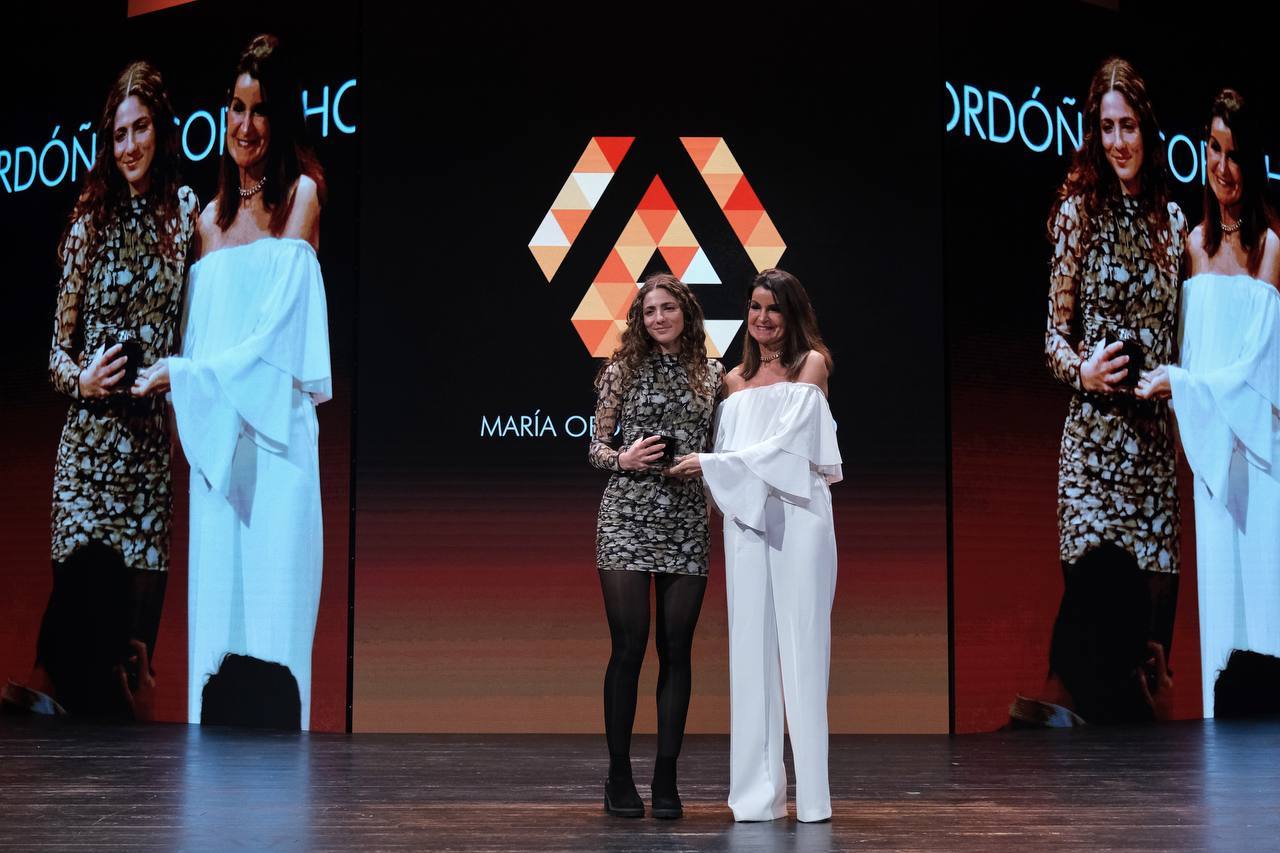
pixel 1146 586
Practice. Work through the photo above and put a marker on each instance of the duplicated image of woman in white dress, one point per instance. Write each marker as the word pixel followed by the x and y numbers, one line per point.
pixel 1225 394
pixel 254 365
pixel 775 456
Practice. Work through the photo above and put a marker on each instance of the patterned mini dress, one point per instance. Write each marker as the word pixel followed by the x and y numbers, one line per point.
pixel 648 522
pixel 1117 479
pixel 111 477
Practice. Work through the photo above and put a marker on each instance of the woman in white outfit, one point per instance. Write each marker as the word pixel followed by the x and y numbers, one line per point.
pixel 775 455
pixel 255 362
pixel 1225 394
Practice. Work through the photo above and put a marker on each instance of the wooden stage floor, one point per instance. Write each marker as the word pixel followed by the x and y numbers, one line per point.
pixel 1187 786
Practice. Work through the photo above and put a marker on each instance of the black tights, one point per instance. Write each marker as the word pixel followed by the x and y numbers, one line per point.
pixel 97 606
pixel 626 603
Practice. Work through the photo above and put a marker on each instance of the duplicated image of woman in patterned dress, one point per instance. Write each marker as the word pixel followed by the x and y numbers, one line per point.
pixel 123 261
pixel 660 390
pixel 1113 303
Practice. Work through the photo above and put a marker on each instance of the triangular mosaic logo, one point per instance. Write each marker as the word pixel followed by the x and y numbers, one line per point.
pixel 657 225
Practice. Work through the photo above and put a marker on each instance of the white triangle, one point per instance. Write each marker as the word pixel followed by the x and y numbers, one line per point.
pixel 722 332
pixel 700 270
pixel 549 233
pixel 592 185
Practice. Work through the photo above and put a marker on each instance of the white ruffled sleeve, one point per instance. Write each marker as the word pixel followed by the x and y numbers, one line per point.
pixel 766 445
pixel 1227 393
pixel 249 387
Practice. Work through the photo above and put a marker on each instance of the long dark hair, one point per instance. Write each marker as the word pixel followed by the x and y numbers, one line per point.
pixel 104 188
pixel 637 344
pixel 288 155
pixel 1092 179
pixel 800 332
pixel 1256 214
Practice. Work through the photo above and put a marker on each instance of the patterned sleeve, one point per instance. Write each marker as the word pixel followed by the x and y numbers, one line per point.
pixel 1063 328
pixel 718 391
pixel 608 404
pixel 188 225
pixel 188 212
pixel 1179 233
pixel 68 334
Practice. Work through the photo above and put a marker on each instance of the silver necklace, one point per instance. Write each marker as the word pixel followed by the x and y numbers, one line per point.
pixel 253 190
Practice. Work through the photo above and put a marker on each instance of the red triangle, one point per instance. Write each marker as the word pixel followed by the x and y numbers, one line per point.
pixel 657 221
pixel 571 221
pixel 614 270
pixel 743 198
pixel 592 332
pixel 678 258
pixel 615 148
pixel 657 198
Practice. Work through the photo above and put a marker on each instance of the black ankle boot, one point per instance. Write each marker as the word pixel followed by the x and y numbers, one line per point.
pixel 620 796
pixel 666 799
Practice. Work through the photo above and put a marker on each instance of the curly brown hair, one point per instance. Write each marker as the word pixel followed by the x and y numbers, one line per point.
pixel 1091 178
pixel 105 189
pixel 637 345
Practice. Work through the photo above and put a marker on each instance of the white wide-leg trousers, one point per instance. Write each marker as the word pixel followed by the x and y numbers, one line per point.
pixel 780 585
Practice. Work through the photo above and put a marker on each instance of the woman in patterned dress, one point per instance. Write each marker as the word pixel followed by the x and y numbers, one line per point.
pixel 658 383
pixel 1113 299
pixel 123 259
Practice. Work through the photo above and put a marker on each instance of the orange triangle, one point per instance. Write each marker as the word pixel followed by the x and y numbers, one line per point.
pixel 614 338
pixel 657 198
pixel 743 222
pixel 571 221
pixel 700 148
pixel 617 296
pixel 743 198
pixel 657 221
pixel 611 341
pixel 593 160
pixel 592 332
pixel 549 258
pixel 636 233
pixel 766 234
pixel 722 186
pixel 615 271
pixel 678 258
pixel 614 148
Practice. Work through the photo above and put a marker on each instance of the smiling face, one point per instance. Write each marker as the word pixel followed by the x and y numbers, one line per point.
pixel 248 125
pixel 1122 140
pixel 1222 162
pixel 134 143
pixel 765 322
pixel 663 319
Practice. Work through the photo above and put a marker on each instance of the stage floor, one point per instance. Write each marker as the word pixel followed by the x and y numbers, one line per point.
pixel 1187 786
